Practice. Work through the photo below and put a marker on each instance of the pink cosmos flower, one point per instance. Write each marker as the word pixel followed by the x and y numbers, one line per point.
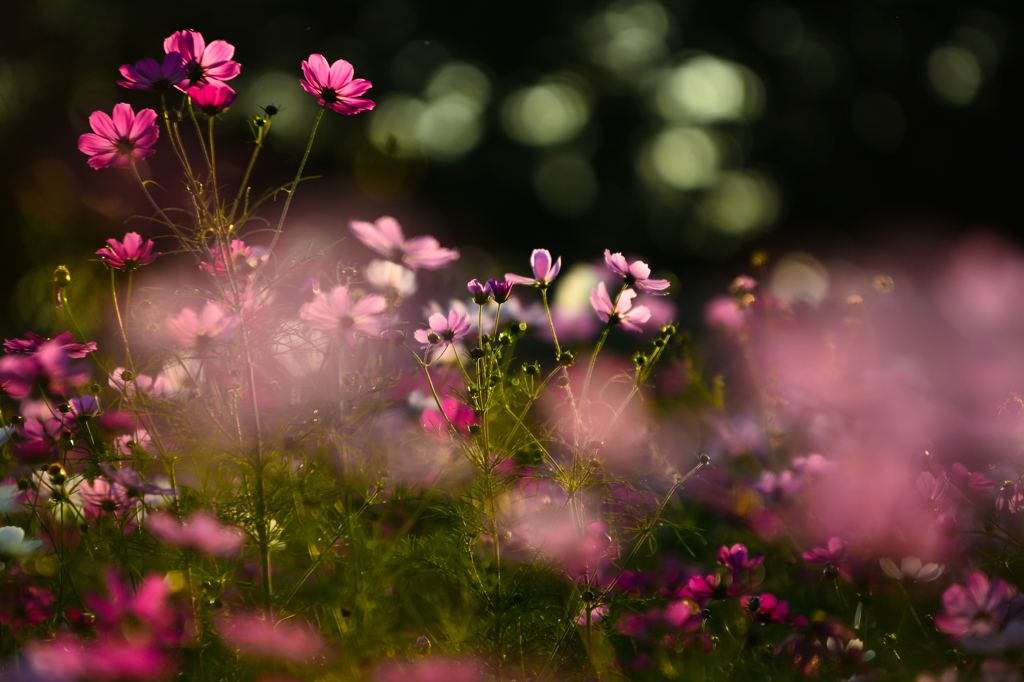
pixel 460 415
pixel 334 86
pixel 121 142
pixel 500 289
pixel 738 559
pixel 544 270
pixel 242 256
pixel 638 273
pixel 211 327
pixel 104 496
pixel 833 552
pixel 448 329
pixel 481 293
pixel 622 312
pixel 385 236
pixel 334 312
pixel 766 609
pixel 67 658
pixel 213 98
pixel 147 612
pixel 65 340
pixel 200 531
pixel 261 635
pixel 975 609
pixel 128 254
pixel 21 602
pixel 154 76
pixel 202 62
pixel 39 441
pixel 48 370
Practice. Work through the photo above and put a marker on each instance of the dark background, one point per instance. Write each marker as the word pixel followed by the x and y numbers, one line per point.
pixel 854 139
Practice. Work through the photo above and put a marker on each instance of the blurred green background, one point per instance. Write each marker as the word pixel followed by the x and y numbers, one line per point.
pixel 691 132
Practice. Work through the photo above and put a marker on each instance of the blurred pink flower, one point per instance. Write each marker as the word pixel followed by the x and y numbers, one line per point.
pixel 242 256
pixel 974 609
pixel 147 612
pixel 102 496
pixel 69 659
pixel 213 98
pixel 833 552
pixel 460 415
pixel 738 560
pixel 39 441
pixel 49 371
pixel 544 270
pixel 203 63
pixel 334 86
pixel 430 669
pixel 200 531
pixel 622 312
pixel 211 327
pixel 154 76
pixel 385 237
pixel 21 602
pixel 261 635
pixel 65 341
pixel 121 142
pixel 335 313
pixel 637 273
pixel 128 254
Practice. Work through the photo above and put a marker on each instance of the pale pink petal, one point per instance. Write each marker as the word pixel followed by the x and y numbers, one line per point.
pixel 91 144
pixel 519 279
pixel 616 262
pixel 625 300
pixel 369 235
pixel 540 261
pixel 218 51
pixel 391 230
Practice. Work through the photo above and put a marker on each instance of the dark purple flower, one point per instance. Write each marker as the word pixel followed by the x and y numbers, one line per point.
pixel 129 254
pixel 334 86
pixel 544 270
pixel 213 98
pixel 202 62
pixel 133 482
pixel 31 343
pixel 1009 498
pixel 151 75
pixel 385 236
pixel 638 273
pixel 975 609
pixel 500 289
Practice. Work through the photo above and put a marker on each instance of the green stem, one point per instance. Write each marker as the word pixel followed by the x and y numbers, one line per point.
pixel 294 185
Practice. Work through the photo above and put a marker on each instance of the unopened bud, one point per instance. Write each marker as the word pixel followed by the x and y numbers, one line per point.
pixel 61 276
pixel 57 474
pixel 432 337
pixel 477 353
pixel 566 358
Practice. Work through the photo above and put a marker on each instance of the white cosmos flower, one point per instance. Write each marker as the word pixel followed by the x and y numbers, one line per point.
pixel 911 570
pixel 13 544
pixel 8 498
pixel 383 275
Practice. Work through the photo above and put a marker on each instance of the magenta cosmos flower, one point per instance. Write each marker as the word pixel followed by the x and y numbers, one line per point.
pixel 334 86
pixel 544 270
pixel 334 312
pixel 128 254
pixel 200 531
pixel 65 341
pixel 385 236
pixel 213 98
pixel 975 609
pixel 447 330
pixel 622 312
pixel 120 142
pixel 203 63
pixel 638 273
pixel 151 75
pixel 210 327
